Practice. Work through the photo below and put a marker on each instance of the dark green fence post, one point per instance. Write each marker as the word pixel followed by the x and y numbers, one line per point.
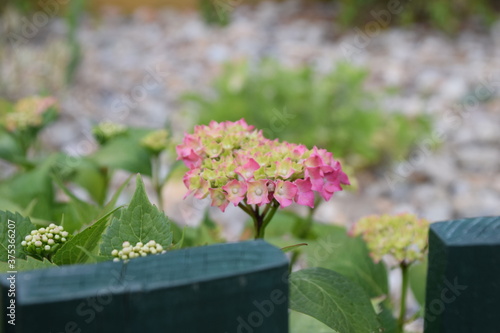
pixel 224 288
pixel 463 280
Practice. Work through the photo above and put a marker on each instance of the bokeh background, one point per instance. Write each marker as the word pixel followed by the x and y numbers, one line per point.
pixel 406 94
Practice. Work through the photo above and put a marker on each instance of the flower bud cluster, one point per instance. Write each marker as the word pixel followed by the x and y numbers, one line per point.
pixel 402 236
pixel 232 162
pixel 156 141
pixel 27 113
pixel 139 250
pixel 106 131
pixel 45 241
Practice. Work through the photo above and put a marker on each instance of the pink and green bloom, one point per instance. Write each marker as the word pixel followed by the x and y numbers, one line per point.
pixel 234 163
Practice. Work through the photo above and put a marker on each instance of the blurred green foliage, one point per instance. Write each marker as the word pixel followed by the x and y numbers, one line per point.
pixel 215 12
pixel 332 111
pixel 446 15
pixel 39 175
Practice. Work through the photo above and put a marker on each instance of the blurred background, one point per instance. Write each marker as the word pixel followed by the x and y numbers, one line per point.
pixel 405 94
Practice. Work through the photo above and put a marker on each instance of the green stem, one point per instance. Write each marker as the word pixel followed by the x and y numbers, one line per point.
pixel 246 209
pixel 269 215
pixel 306 229
pixel 260 220
pixel 157 184
pixel 404 290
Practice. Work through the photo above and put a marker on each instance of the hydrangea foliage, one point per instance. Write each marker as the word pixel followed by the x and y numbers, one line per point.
pixel 234 163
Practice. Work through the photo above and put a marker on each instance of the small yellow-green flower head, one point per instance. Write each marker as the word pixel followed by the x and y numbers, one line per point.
pixel 156 141
pixel 28 113
pixel 138 250
pixel 44 242
pixel 106 131
pixel 402 236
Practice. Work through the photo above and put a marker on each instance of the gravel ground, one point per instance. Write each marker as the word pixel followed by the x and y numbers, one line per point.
pixel 134 69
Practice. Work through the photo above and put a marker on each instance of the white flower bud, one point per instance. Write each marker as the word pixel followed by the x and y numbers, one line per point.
pixel 33 232
pixel 50 242
pixel 47 247
pixel 41 230
pixel 63 239
pixel 116 259
pixel 57 237
pixel 52 225
pixel 153 251
pixel 38 244
pixel 50 235
pixel 64 234
pixel 23 243
pixel 114 253
pixel 125 244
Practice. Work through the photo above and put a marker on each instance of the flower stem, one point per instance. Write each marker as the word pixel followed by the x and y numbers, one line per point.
pixel 404 290
pixel 157 184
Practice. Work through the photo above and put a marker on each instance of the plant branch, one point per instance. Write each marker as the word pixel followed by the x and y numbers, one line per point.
pixel 404 290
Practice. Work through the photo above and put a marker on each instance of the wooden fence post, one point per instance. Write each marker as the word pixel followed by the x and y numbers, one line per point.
pixel 223 288
pixel 463 280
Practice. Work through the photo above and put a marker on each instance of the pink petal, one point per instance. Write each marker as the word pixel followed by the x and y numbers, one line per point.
pixel 246 171
pixel 285 192
pixel 218 199
pixel 257 193
pixel 304 196
pixel 235 191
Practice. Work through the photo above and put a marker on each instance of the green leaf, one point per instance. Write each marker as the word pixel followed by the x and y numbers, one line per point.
pixel 125 153
pixel 349 256
pixel 10 150
pixel 332 299
pixel 26 265
pixel 301 323
pixel 23 188
pixel 77 212
pixel 386 318
pixel 72 253
pixel 93 179
pixel 9 205
pixel 16 226
pixel 141 221
pixel 418 279
pixel 114 199
pixel 180 243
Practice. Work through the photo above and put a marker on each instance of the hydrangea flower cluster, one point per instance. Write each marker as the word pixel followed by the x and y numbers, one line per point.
pixel 403 236
pixel 139 250
pixel 27 113
pixel 106 131
pixel 156 141
pixel 45 241
pixel 233 163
